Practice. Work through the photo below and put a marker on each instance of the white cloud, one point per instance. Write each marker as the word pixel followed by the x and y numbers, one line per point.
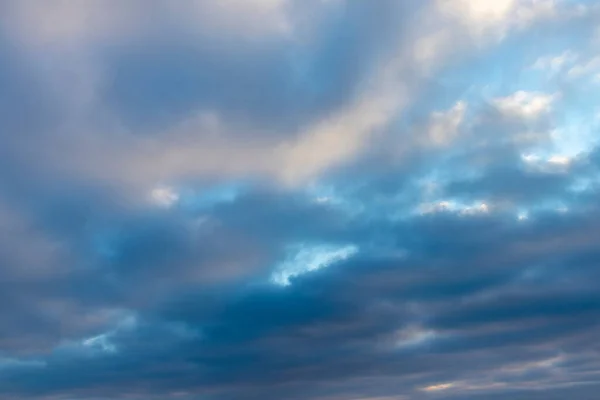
pixel 164 196
pixel 451 206
pixel 455 26
pixel 439 387
pixel 592 66
pixel 444 126
pixel 525 104
pixel 485 17
pixel 482 11
pixel 205 144
pixel 341 136
pixel 560 160
pixel 552 163
pixel 202 145
pixel 344 134
pixel 555 63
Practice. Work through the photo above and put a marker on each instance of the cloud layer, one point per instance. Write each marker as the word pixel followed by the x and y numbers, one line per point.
pixel 311 200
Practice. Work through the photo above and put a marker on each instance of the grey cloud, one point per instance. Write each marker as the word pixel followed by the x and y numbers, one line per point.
pixel 307 329
pixel 107 295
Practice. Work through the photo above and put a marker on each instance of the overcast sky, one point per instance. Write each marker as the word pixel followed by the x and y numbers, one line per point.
pixel 299 199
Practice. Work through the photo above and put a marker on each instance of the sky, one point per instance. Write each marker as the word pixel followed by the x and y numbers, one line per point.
pixel 299 199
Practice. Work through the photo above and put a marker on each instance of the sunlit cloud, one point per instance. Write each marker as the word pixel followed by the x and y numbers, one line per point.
pixel 525 104
pixel 164 196
pixel 439 387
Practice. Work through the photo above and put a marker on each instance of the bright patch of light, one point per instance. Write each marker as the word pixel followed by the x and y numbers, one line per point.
pixel 551 163
pixel 525 104
pixel 572 141
pixel 164 196
pixel 452 206
pixel 495 16
pixel 523 215
pixel 439 387
pixel 561 160
pixel 304 258
pixel 577 132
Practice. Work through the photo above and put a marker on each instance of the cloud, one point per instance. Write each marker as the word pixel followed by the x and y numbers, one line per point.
pixel 524 104
pixel 164 196
pixel 499 18
pixel 588 67
pixel 306 200
pixel 58 22
pixel 444 126
pixel 555 63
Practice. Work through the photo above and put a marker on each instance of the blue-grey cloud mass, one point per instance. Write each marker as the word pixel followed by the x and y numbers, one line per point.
pixel 299 199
